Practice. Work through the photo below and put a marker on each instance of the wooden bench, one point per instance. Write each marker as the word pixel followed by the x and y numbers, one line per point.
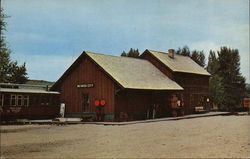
pixel 199 109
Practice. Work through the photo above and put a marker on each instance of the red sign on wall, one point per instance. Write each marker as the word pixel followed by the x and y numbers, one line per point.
pixel 97 103
pixel 103 102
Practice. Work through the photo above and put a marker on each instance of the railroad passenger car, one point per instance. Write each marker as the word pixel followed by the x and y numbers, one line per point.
pixel 27 101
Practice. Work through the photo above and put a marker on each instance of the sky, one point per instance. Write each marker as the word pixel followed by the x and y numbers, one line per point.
pixel 50 34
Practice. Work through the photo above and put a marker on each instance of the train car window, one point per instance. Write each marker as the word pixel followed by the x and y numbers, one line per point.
pixel 1 100
pixel 35 100
pixel 31 100
pixel 19 100
pixel 6 101
pixel 53 100
pixel 47 100
pixel 42 100
pixel 13 100
pixel 26 100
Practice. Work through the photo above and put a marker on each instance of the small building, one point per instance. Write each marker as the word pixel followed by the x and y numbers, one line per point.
pixel 187 73
pixel 28 101
pixel 113 88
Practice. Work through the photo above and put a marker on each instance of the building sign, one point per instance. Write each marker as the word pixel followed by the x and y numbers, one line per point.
pixel 85 85
pixel 102 102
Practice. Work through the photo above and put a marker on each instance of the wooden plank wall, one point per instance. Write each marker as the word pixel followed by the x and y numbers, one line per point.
pixel 191 83
pixel 137 102
pixel 36 109
pixel 195 87
pixel 87 72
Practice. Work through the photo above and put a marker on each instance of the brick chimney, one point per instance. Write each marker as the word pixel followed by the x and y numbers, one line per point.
pixel 171 53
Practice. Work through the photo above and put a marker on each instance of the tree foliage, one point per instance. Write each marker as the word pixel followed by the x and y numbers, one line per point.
pixel 227 85
pixel 197 56
pixel 10 71
pixel 132 53
pixel 183 51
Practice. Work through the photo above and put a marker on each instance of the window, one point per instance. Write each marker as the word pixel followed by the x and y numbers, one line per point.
pixel 13 100
pixel 26 100
pixel 19 100
pixel 55 100
pixel 44 100
pixel 35 100
pixel 47 100
pixel 1 99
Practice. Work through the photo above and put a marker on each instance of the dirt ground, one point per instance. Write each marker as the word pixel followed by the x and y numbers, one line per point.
pixel 207 137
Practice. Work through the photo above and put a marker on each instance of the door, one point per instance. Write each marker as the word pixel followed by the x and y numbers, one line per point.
pixel 85 102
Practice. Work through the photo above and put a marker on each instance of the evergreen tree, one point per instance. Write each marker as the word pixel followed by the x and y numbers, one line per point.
pixel 227 85
pixel 183 51
pixel 213 65
pixel 132 53
pixel 9 70
pixel 124 53
pixel 197 56
pixel 216 87
pixel 234 82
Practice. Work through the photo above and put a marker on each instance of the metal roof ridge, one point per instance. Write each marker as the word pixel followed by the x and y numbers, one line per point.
pixel 23 84
pixel 165 53
pixel 134 58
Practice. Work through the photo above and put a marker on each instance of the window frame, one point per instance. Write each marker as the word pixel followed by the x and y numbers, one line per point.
pixel 21 100
pixel 1 99
pixel 26 98
pixel 13 99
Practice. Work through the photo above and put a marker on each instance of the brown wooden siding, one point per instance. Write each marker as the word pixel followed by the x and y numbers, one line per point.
pixel 87 72
pixel 196 90
pixel 37 106
pixel 136 104
pixel 195 86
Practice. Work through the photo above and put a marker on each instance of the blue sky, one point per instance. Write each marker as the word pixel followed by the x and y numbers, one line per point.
pixel 50 34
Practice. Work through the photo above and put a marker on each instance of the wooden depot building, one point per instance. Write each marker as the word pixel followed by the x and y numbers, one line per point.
pixel 187 73
pixel 112 88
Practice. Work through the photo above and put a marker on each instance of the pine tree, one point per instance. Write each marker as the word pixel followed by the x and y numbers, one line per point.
pixel 183 51
pixel 227 85
pixel 132 53
pixel 197 56
pixel 124 53
pixel 9 70
pixel 234 82
pixel 216 87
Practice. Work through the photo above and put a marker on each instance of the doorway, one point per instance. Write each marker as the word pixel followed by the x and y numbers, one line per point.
pixel 85 102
